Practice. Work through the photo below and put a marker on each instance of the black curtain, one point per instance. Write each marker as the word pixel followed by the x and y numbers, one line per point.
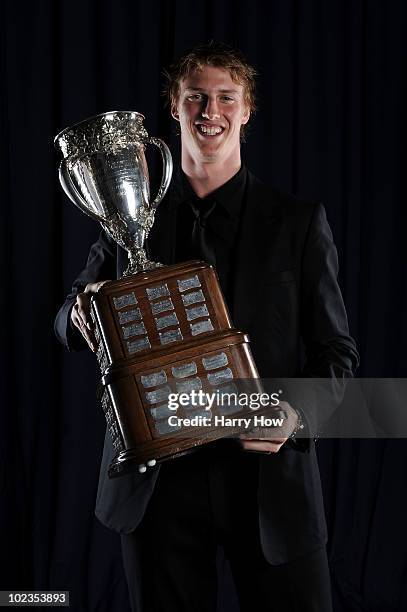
pixel 331 127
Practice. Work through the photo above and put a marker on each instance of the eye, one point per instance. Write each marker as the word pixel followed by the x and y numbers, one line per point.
pixel 227 99
pixel 195 97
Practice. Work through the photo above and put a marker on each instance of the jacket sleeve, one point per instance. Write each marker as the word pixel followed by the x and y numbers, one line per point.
pixel 330 351
pixel 101 265
pixel 331 354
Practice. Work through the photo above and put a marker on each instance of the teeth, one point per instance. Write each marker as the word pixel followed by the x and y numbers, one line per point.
pixel 211 130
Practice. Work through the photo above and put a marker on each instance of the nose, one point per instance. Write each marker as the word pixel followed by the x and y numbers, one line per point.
pixel 210 109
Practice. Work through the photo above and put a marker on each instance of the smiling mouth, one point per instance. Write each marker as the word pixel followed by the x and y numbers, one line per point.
pixel 209 130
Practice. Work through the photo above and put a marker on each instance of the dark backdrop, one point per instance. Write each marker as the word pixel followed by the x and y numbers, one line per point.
pixel 331 127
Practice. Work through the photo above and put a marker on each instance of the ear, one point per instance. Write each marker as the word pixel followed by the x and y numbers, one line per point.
pixel 174 112
pixel 246 116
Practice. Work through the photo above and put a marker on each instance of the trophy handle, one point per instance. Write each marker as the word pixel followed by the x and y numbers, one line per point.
pixel 73 194
pixel 167 170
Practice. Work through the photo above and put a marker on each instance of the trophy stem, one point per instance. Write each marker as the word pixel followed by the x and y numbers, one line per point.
pixel 138 262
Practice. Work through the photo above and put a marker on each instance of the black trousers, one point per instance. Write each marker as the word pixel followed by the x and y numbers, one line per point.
pixel 201 501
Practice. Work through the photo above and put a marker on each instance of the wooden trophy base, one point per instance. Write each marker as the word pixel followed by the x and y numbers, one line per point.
pixel 168 332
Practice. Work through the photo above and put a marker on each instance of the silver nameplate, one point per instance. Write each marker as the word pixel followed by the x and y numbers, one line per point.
pixel 188 283
pixel 124 300
pixel 197 312
pixel 137 329
pixel 217 361
pixel 163 427
pixel 162 306
pixel 187 369
pixel 161 412
pixel 216 378
pixel 190 384
pixel 154 379
pixel 226 391
pixel 130 315
pixel 205 414
pixel 201 327
pixel 156 292
pixel 167 321
pixel 138 345
pixel 159 395
pixel 193 298
pixel 173 335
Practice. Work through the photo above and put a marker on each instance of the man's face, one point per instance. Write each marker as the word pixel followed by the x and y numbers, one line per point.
pixel 211 110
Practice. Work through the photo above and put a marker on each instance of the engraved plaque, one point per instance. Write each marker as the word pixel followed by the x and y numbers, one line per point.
pixel 216 378
pixel 173 335
pixel 197 312
pixel 154 379
pixel 137 329
pixel 130 315
pixel 190 384
pixel 193 297
pixel 201 327
pixel 188 283
pixel 206 414
pixel 138 345
pixel 197 405
pixel 162 306
pixel 228 390
pixel 217 361
pixel 163 427
pixel 124 300
pixel 158 395
pixel 182 371
pixel 161 412
pixel 167 321
pixel 156 292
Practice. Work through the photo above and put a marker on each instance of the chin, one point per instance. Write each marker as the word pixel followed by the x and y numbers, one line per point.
pixel 212 154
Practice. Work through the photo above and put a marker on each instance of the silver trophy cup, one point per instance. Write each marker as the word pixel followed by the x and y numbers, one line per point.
pixel 104 172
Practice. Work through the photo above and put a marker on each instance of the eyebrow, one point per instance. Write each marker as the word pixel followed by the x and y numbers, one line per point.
pixel 235 91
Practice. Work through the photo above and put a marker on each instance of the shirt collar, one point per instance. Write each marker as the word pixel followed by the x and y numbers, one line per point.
pixel 229 196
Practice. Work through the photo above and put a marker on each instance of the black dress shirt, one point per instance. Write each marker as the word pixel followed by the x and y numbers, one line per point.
pixel 222 223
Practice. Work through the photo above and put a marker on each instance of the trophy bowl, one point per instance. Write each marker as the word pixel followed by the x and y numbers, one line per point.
pixel 104 173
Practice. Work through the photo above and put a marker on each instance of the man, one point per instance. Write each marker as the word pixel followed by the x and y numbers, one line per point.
pixel 277 266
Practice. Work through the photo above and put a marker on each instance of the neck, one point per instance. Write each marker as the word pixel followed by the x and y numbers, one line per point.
pixel 206 177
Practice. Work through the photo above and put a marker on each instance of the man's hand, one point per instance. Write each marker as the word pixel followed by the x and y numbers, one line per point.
pixel 270 439
pixel 80 313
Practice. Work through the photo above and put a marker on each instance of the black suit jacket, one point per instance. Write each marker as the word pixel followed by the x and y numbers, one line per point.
pixel 286 297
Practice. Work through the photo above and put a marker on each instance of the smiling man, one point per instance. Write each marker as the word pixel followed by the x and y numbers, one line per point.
pixel 211 109
pixel 258 497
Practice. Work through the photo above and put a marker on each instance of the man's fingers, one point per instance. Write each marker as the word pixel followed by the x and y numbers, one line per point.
pixel 85 331
pixel 82 307
pixel 94 287
pixel 80 314
pixel 263 446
